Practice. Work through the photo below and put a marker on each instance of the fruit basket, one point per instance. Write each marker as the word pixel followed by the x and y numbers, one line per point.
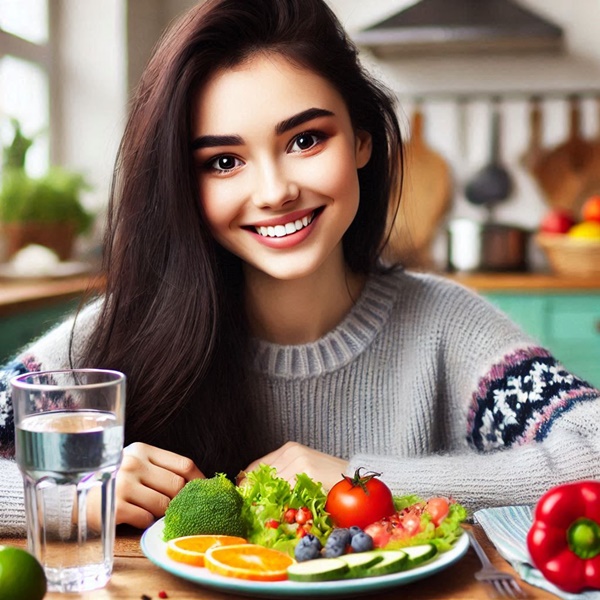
pixel 571 256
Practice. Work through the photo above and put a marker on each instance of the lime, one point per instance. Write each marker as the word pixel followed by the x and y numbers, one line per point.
pixel 21 575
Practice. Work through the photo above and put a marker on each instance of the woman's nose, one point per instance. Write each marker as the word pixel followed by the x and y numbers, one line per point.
pixel 274 186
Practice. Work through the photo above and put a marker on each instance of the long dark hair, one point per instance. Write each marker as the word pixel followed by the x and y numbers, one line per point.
pixel 173 317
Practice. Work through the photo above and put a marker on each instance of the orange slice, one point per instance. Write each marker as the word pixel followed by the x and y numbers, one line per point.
pixel 248 561
pixel 190 549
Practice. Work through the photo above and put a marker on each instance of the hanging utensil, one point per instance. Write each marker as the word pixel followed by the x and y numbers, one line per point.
pixel 561 171
pixel 491 184
pixel 426 195
pixel 532 155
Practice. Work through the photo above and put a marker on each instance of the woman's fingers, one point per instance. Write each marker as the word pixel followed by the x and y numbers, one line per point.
pixel 147 480
pixel 133 515
pixel 181 465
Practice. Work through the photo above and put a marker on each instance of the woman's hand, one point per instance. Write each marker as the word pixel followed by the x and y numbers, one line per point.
pixel 147 480
pixel 293 458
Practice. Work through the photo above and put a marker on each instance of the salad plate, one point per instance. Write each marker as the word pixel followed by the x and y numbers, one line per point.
pixel 155 550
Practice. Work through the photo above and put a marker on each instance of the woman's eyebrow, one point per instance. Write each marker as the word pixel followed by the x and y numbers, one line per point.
pixel 212 141
pixel 301 117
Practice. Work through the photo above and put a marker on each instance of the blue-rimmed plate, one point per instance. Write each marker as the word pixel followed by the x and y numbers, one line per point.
pixel 155 549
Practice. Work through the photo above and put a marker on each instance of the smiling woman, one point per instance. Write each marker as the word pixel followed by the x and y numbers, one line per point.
pixel 248 306
pixel 263 168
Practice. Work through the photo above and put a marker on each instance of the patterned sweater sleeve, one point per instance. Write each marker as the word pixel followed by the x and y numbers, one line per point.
pixel 524 423
pixel 49 352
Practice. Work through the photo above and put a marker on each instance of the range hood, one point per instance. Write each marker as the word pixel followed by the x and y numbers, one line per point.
pixel 440 26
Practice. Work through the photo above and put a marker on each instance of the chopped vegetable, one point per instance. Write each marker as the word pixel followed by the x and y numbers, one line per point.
pixel 268 497
pixel 415 523
pixel 564 540
pixel 359 500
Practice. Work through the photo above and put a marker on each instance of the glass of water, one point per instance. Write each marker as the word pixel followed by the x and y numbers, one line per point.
pixel 69 443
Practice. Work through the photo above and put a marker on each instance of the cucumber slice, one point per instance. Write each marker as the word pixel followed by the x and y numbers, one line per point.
pixel 318 569
pixel 359 563
pixel 419 554
pixel 392 561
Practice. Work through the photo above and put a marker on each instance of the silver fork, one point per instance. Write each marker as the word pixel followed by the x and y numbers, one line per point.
pixel 503 584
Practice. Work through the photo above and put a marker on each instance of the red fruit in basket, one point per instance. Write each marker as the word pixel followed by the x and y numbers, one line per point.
pixel 590 211
pixel 557 221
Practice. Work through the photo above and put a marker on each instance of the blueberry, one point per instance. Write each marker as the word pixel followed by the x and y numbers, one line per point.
pixel 307 548
pixel 302 553
pixel 341 535
pixel 333 550
pixel 362 542
pixel 354 530
pixel 336 543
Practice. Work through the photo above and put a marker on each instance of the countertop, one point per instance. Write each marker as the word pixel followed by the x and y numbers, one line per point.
pixel 17 296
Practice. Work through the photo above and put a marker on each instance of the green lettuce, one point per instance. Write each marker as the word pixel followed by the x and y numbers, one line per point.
pixel 267 496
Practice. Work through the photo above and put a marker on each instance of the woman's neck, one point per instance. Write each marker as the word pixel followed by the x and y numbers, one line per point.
pixel 302 310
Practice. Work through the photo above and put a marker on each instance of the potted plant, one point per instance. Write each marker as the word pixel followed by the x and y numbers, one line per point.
pixel 45 210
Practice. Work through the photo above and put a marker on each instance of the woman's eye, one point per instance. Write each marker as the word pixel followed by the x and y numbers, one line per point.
pixel 224 163
pixel 304 141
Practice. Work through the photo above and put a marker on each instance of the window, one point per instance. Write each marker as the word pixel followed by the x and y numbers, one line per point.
pixel 24 76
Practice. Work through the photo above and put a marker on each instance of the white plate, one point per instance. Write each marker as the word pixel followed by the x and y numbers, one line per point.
pixel 62 269
pixel 154 548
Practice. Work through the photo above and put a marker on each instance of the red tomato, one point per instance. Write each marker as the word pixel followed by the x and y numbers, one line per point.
pixel 359 500
pixel 289 516
pixel 272 523
pixel 303 515
pixel 303 530
pixel 380 532
pixel 438 509
pixel 411 523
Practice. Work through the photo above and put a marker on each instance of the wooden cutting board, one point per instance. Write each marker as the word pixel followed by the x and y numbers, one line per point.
pixel 562 172
pixel 426 196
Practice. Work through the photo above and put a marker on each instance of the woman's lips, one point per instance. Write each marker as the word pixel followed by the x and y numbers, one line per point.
pixel 287 228
pixel 287 234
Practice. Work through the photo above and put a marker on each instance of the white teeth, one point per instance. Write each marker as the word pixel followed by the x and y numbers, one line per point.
pixel 287 229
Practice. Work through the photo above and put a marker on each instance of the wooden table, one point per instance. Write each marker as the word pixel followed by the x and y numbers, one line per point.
pixel 134 575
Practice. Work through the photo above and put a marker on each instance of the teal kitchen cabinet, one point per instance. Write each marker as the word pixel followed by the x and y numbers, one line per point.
pixel 19 330
pixel 567 323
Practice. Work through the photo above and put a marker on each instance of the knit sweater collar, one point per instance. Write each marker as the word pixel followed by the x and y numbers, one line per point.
pixel 341 345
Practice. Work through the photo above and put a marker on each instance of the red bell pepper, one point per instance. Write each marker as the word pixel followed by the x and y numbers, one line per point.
pixel 564 540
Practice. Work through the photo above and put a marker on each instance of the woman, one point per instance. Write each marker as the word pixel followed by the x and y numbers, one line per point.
pixel 248 306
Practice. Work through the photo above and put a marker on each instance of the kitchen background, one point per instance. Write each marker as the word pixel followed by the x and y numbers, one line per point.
pixel 98 48
pixel 90 55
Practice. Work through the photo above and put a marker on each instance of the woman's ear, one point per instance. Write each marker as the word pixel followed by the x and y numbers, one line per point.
pixel 363 147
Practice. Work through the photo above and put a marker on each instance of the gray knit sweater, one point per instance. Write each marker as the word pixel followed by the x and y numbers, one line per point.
pixel 423 381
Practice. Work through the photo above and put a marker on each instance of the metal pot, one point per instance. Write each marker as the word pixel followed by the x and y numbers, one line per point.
pixel 474 246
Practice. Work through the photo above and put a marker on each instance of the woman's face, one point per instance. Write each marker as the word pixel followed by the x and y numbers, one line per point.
pixel 277 161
